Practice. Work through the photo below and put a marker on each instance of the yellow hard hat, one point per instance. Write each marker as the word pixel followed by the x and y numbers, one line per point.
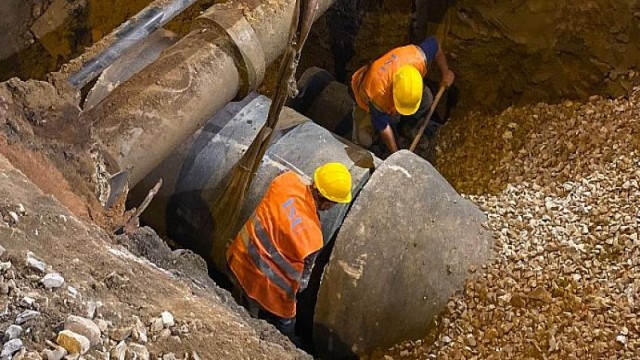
pixel 407 89
pixel 333 180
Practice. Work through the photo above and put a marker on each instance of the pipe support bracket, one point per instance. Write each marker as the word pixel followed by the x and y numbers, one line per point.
pixel 231 20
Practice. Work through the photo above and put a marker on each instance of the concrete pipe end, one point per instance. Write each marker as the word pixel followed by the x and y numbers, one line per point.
pixel 404 248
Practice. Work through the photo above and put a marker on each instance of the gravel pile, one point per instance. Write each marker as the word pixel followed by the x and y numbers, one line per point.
pixel 561 189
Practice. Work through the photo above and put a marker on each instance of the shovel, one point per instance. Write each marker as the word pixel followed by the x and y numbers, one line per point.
pixel 416 140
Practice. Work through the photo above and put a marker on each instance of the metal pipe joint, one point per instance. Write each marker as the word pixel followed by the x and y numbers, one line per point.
pixel 248 51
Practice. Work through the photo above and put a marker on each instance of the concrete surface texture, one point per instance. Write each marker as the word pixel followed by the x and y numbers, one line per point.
pixel 404 248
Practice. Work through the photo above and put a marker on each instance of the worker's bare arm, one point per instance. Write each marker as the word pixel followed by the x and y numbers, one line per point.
pixel 447 74
pixel 389 139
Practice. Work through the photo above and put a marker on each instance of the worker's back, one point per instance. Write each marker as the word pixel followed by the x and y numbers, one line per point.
pixel 267 256
pixel 374 82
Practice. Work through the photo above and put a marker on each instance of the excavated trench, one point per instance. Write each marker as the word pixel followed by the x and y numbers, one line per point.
pixel 503 53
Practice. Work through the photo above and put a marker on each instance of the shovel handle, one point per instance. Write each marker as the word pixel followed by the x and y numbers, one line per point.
pixel 416 140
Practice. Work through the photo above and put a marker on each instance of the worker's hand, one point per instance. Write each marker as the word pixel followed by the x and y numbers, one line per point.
pixel 448 77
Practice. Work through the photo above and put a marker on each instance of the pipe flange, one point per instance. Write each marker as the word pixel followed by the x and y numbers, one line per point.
pixel 247 45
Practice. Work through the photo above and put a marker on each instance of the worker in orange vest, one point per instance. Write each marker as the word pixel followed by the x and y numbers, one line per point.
pixel 271 259
pixel 393 84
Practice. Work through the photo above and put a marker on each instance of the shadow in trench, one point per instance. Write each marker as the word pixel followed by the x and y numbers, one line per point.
pixel 305 326
pixel 424 12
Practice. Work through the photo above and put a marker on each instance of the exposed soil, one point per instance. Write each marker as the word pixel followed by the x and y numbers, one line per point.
pixel 31 113
pixel 124 285
pixel 76 36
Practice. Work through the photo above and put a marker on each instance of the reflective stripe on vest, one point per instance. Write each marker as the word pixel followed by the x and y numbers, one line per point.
pixel 277 258
pixel 268 254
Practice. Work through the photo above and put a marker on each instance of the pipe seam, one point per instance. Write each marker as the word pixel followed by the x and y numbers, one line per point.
pixel 247 45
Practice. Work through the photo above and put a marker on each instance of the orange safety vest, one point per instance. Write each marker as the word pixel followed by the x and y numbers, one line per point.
pixel 267 256
pixel 374 83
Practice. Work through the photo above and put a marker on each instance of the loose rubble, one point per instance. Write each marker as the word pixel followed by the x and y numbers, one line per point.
pixel 72 342
pixel 12 332
pixel 84 327
pixel 9 348
pixel 26 315
pixel 52 281
pixel 563 202
pixel 34 263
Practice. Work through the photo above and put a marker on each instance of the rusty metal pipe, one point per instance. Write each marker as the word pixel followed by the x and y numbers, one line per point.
pixel 127 35
pixel 225 55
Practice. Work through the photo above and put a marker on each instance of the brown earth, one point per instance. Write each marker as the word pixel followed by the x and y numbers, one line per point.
pixel 102 271
pixel 511 52
pixel 82 29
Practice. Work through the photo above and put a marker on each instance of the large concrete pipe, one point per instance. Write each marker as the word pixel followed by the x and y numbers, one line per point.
pixel 325 101
pixel 145 118
pixel 195 171
pixel 404 248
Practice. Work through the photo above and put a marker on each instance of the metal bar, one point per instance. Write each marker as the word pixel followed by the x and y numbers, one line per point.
pixel 130 33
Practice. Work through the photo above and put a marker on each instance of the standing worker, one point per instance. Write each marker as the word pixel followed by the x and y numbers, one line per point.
pixel 394 84
pixel 272 257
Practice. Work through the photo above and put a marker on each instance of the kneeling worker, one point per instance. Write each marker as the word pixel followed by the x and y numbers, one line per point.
pixel 393 84
pixel 272 257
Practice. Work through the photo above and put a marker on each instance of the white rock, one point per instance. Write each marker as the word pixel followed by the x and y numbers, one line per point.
pixel 2 250
pixel 73 292
pixel 84 327
pixel 119 352
pixel 14 216
pixel 4 266
pixel 12 332
pixel 52 281
pixel 57 354
pixel 156 325
pixel 621 339
pixel 92 308
pixel 102 325
pixel 35 264
pixel 140 351
pixel 32 355
pixel 167 319
pixel 139 331
pixel 27 301
pixel 72 342
pixel 10 347
pixel 26 315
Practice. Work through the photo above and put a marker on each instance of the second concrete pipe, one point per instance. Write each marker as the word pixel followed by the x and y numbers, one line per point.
pixel 144 119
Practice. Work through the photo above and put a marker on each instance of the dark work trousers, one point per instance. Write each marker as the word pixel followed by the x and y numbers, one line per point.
pixel 286 326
